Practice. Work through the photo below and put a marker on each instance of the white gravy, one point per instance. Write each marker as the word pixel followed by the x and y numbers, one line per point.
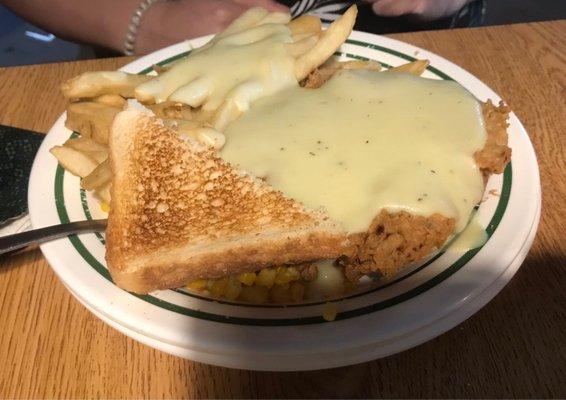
pixel 366 141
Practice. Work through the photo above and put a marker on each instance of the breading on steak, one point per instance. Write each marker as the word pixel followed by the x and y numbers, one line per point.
pixel 395 240
pixel 495 154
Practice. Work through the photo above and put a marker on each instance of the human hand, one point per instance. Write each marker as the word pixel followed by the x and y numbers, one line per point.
pixel 173 21
pixel 425 9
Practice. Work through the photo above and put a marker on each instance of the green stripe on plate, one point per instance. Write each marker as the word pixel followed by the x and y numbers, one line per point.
pixel 88 215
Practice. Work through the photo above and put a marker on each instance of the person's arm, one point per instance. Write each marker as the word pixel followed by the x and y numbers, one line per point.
pixel 425 9
pixel 105 22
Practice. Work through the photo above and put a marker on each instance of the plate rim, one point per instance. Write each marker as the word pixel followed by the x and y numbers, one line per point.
pixel 352 356
pixel 204 39
pixel 82 249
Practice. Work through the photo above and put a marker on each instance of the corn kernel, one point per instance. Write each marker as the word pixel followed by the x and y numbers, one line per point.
pixel 294 273
pixel 297 291
pixel 329 311
pixel 254 294
pixel 286 275
pixel 247 278
pixel 104 206
pixel 266 277
pixel 233 289
pixel 199 284
pixel 218 288
pixel 280 294
pixel 282 276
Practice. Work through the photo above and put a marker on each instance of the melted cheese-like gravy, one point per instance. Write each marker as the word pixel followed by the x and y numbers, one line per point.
pixel 472 237
pixel 255 58
pixel 366 141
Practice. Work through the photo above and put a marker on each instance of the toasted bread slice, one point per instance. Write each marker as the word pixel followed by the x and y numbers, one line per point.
pixel 179 213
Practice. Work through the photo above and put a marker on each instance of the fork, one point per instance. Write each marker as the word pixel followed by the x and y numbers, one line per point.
pixel 35 236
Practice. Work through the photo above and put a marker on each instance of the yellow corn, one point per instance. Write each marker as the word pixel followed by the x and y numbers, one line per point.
pixel 282 276
pixel 280 293
pixel 266 277
pixel 199 284
pixel 297 291
pixel 280 285
pixel 254 294
pixel 294 272
pixel 218 288
pixel 247 278
pixel 233 289
pixel 329 311
pixel 286 275
pixel 104 206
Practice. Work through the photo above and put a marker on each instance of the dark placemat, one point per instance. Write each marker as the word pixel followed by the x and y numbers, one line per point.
pixel 17 151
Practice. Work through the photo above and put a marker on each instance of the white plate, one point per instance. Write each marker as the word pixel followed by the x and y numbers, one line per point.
pixel 422 303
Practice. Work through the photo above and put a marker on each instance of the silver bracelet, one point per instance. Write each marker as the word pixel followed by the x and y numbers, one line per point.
pixel 133 27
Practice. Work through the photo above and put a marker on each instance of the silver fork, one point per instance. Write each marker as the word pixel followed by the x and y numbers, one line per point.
pixel 19 240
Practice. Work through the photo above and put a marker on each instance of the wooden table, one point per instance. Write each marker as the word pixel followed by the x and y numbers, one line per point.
pixel 51 346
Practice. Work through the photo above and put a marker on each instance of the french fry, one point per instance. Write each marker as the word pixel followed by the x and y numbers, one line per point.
pixel 305 25
pixel 275 18
pixel 194 93
pixel 253 17
pixel 178 83
pixel 103 192
pixel 112 100
pixel 369 65
pixel 256 34
pixel 184 112
pixel 330 41
pixel 159 89
pixel 183 126
pixel 210 137
pixel 159 69
pixel 98 156
pixel 416 67
pixel 85 145
pixel 245 21
pixel 319 76
pixel 227 113
pixel 74 161
pixel 296 49
pixel 94 84
pixel 237 102
pixel 202 115
pixel 171 110
pixel 200 131
pixel 91 120
pixel 98 177
pixel 89 147
pixel 306 35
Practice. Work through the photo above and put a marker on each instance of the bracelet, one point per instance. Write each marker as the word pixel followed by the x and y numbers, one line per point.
pixel 133 27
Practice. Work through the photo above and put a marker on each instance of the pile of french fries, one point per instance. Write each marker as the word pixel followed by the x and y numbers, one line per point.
pixel 96 97
pixel 88 160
